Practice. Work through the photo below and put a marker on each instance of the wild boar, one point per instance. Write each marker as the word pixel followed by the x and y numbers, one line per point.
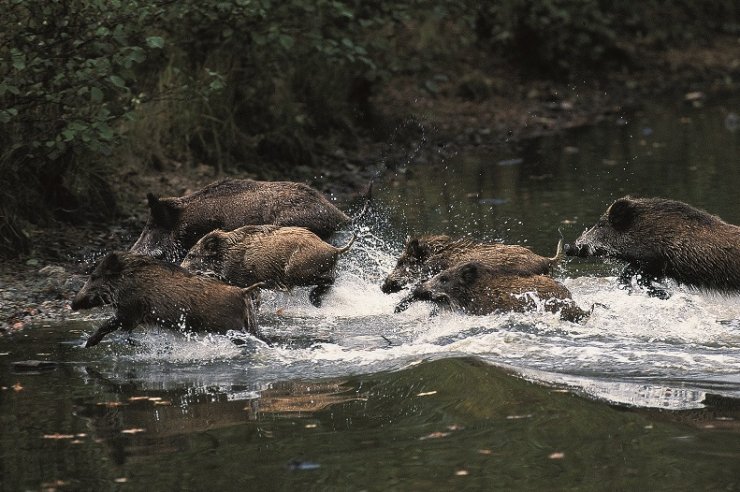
pixel 475 288
pixel 176 224
pixel 278 257
pixel 143 289
pixel 661 238
pixel 425 256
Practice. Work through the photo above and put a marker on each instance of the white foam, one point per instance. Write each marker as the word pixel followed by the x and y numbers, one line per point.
pixel 356 331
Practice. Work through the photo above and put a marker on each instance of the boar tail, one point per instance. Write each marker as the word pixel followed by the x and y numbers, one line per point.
pixel 368 196
pixel 249 289
pixel 559 253
pixel 346 247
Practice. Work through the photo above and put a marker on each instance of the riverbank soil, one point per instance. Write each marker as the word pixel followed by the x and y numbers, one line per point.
pixel 475 102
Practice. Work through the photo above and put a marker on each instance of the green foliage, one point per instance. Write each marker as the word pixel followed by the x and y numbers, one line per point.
pixel 264 86
pixel 559 37
pixel 67 74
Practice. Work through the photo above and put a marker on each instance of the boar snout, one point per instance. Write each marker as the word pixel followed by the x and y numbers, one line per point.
pixel 84 301
pixel 391 285
pixel 583 250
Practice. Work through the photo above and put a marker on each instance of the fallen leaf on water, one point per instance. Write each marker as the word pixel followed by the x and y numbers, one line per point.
pixel 434 435
pixel 55 483
pixel 485 451
pixel 17 387
pixel 120 480
pixel 461 473
pixel 427 393
pixel 59 436
pixel 557 456
pixel 134 430
pixel 110 404
pixel 311 426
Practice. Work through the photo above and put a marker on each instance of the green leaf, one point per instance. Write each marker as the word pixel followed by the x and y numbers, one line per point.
pixel 7 114
pixel 155 42
pixel 117 81
pixel 286 41
pixel 96 95
pixel 19 59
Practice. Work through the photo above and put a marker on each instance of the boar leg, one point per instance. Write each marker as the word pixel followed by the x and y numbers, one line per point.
pixel 404 304
pixel 317 292
pixel 109 326
pixel 644 280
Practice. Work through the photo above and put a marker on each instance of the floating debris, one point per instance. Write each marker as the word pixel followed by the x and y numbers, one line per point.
pixel 510 162
pixel 35 365
pixel 135 430
pixel 299 465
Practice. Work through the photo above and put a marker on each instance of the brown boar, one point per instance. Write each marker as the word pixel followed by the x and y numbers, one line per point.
pixel 143 289
pixel 425 256
pixel 475 288
pixel 660 238
pixel 176 224
pixel 279 257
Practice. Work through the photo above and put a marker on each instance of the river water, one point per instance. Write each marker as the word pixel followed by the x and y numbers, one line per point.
pixel 643 395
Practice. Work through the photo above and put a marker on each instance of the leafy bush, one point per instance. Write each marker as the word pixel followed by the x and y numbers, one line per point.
pixel 67 74
pixel 262 86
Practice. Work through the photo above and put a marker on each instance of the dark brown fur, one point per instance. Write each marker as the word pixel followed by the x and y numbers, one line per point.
pixel 278 257
pixel 176 224
pixel 478 289
pixel 425 256
pixel 661 238
pixel 146 290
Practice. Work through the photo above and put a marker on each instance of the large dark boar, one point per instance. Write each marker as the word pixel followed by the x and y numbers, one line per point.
pixel 146 290
pixel 661 238
pixel 176 224
pixel 278 257
pixel 425 256
pixel 478 289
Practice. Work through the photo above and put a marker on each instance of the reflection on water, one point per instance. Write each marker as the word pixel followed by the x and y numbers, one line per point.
pixel 642 395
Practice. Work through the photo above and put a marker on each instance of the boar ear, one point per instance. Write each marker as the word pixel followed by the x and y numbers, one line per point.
pixel 621 214
pixel 469 272
pixel 211 243
pixel 111 264
pixel 165 212
pixel 415 249
pixel 412 245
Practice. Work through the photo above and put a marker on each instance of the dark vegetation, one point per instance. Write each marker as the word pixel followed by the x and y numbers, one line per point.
pixel 276 89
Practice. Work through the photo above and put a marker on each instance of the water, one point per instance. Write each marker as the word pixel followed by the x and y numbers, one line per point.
pixel 645 394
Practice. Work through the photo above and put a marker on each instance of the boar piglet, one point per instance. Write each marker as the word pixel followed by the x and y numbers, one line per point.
pixel 425 256
pixel 277 257
pixel 660 238
pixel 143 289
pixel 176 224
pixel 477 289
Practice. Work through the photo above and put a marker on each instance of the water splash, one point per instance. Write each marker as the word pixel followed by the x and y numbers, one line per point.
pixel 629 335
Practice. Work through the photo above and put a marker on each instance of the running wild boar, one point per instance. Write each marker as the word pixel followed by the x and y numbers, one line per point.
pixel 143 289
pixel 425 256
pixel 277 257
pixel 660 238
pixel 477 289
pixel 176 224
